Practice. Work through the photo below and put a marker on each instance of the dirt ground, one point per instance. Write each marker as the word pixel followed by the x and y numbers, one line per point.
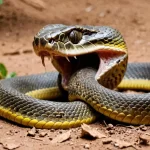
pixel 20 20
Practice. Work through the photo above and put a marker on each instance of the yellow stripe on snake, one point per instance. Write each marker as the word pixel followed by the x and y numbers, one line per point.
pixel 91 61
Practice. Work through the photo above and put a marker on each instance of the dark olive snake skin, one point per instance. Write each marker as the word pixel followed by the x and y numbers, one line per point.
pixel 138 71
pixel 23 109
pixel 131 108
pixel 12 96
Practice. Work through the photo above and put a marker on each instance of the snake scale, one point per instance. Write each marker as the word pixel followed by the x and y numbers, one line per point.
pixel 91 60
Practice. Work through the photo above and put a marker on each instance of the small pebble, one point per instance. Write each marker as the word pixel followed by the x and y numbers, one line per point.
pixel 71 143
pixel 88 9
pixel 52 130
pixel 143 127
pixel 86 146
pixel 32 132
pixel 116 144
pixel 42 134
pixel 102 14
pixel 109 126
pixel 111 132
pixel 106 141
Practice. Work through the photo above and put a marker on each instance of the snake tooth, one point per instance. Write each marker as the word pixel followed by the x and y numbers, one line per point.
pixel 67 59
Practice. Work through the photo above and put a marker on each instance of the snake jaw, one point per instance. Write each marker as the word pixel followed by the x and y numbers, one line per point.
pixel 112 67
pixel 108 58
pixel 104 60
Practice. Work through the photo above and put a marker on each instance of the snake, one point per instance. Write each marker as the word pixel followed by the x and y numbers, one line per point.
pixel 91 63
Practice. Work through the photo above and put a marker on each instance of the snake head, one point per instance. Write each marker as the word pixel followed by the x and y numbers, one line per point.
pixel 74 47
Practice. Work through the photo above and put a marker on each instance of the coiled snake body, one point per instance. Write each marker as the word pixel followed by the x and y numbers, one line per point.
pixel 92 61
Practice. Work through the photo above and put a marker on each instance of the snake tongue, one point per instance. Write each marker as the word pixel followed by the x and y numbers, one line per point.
pixel 43 60
pixel 44 54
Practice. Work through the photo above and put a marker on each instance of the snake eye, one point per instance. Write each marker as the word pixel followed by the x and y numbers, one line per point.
pixel 75 36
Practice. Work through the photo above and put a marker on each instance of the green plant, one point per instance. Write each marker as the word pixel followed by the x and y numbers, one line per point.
pixel 4 72
pixel 1 2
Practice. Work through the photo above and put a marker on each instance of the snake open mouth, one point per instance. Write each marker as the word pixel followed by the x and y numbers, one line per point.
pixel 67 66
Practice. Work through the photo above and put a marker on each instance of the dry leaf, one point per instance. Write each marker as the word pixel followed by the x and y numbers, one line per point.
pixel 122 144
pixel 32 132
pixel 143 127
pixel 89 131
pixel 144 139
pixel 10 145
pixel 62 137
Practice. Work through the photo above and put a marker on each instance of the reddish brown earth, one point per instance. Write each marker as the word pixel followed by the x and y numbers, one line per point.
pixel 20 20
